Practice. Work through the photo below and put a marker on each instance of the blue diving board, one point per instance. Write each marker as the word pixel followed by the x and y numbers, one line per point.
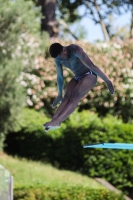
pixel 110 146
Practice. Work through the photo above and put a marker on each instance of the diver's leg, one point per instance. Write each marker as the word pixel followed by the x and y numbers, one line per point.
pixel 81 89
pixel 68 92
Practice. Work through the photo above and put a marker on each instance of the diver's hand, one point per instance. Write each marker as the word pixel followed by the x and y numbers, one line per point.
pixel 56 101
pixel 110 87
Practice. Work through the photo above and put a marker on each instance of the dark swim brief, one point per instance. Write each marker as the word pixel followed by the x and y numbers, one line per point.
pixel 78 78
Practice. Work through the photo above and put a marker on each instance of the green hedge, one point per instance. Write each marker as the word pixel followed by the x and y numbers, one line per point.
pixel 64 147
pixel 64 193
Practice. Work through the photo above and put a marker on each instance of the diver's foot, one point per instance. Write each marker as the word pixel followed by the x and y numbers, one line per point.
pixel 53 124
pixel 47 128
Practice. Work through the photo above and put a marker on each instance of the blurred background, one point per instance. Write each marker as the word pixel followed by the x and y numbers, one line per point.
pixel 104 29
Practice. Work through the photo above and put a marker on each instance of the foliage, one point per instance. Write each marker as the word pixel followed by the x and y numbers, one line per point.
pixel 71 6
pixel 98 11
pixel 68 12
pixel 20 43
pixel 115 59
pixel 33 143
pixel 64 192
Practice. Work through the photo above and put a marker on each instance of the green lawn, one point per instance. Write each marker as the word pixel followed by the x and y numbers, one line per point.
pixel 28 173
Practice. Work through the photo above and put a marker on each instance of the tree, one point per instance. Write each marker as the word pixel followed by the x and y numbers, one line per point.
pixel 131 25
pixel 19 45
pixel 68 14
pixel 98 11
pixel 128 5
pixel 92 10
pixel 48 21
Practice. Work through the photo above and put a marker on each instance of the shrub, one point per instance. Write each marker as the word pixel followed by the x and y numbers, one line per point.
pixel 64 192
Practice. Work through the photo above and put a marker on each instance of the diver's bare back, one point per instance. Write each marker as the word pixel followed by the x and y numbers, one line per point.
pixel 73 62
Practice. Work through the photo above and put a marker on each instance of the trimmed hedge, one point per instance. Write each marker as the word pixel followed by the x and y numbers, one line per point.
pixel 64 193
pixel 64 147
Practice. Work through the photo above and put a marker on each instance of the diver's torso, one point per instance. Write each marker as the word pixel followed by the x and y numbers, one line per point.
pixel 74 64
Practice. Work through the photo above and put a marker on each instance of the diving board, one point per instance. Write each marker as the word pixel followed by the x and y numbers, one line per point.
pixel 110 146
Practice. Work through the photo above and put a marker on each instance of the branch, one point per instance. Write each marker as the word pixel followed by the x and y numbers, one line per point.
pixel 104 29
pixel 64 24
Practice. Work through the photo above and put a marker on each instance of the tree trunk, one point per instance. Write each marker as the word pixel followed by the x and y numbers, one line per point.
pixel 49 22
pixel 105 33
pixel 131 25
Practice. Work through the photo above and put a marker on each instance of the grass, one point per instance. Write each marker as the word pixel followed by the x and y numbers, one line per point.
pixel 29 173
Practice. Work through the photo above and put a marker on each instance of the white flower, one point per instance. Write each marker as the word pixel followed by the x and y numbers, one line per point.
pixel 23 83
pixel 29 102
pixel 117 46
pixel 3 51
pixel 1 44
pixel 29 91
